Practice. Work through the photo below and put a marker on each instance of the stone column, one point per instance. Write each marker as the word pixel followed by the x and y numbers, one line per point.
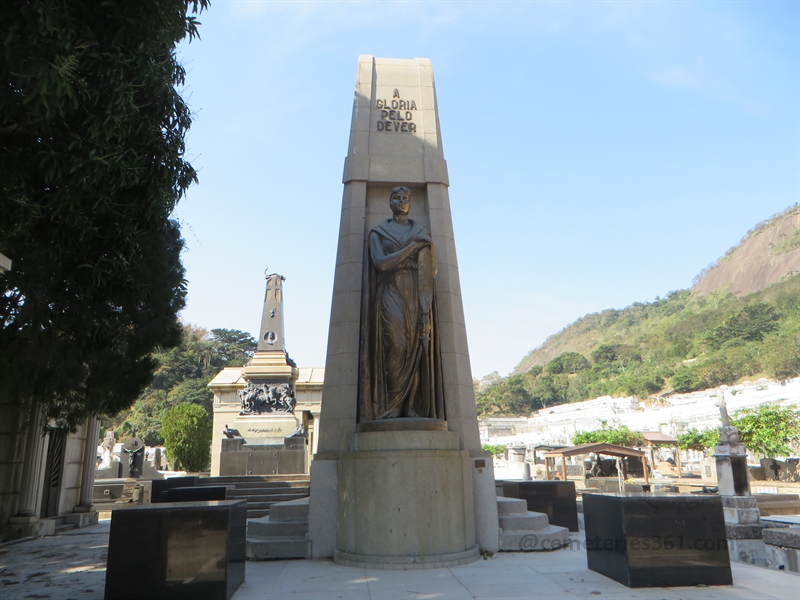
pixel 84 513
pixel 34 443
pixel 89 464
pixel 26 522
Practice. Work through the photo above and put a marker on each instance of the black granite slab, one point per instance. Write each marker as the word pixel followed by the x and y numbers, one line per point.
pixel 159 485
pixel 180 551
pixel 556 499
pixel 194 494
pixel 657 540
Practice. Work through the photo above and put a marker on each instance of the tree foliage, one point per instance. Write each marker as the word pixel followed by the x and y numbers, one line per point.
pixel 187 436
pixel 182 377
pixel 769 429
pixel 92 164
pixel 621 436
pixel 701 441
pixel 496 450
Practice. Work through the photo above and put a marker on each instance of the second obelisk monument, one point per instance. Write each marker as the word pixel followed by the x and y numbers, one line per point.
pixel 399 479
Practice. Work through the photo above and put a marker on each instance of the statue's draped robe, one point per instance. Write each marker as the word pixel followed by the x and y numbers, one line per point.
pixel 400 372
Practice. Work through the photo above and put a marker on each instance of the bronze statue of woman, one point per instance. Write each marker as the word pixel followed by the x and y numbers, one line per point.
pixel 400 364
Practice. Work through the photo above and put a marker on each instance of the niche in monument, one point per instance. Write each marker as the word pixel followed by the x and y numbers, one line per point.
pixel 400 360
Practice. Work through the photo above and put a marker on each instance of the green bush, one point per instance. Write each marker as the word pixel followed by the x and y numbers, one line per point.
pixel 701 441
pixel 186 430
pixel 621 436
pixel 769 429
pixel 495 450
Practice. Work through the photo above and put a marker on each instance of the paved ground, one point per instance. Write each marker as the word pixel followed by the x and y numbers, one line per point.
pixel 72 566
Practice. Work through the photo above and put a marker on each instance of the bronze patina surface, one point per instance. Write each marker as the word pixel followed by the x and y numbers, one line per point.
pixel 400 364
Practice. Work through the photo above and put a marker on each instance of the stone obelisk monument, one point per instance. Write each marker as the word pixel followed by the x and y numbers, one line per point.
pixel 399 479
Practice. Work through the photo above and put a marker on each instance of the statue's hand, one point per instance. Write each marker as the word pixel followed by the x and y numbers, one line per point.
pixel 425 326
pixel 423 239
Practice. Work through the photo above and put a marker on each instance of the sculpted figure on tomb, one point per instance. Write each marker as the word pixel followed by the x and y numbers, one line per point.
pixel 400 358
pixel 108 450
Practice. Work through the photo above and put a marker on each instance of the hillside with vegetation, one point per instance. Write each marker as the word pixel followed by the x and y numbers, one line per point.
pixel 689 340
pixel 181 378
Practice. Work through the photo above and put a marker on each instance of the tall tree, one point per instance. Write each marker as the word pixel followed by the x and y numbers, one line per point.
pixel 92 164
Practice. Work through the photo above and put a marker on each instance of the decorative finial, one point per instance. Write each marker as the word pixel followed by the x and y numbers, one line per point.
pixel 723 410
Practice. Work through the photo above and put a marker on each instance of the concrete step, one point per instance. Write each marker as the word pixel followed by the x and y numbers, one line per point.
pixel 541 540
pixel 65 527
pixel 257 513
pixel 253 491
pixel 264 480
pixel 243 485
pixel 276 549
pixel 267 528
pixel 291 511
pixel 511 506
pixel 530 521
pixel 267 502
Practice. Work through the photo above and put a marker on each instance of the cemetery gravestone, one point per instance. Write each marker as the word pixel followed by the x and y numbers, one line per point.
pixel 657 540
pixel 556 499
pixel 180 551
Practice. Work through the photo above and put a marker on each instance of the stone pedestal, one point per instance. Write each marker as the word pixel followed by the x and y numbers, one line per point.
pixel 744 530
pixel 742 517
pixel 405 501
pixel 732 477
pixel 31 526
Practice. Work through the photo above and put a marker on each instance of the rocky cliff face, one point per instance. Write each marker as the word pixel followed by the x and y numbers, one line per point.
pixel 766 256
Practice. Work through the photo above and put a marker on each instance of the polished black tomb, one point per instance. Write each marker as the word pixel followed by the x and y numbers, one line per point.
pixel 657 540
pixel 159 485
pixel 194 494
pixel 186 550
pixel 556 499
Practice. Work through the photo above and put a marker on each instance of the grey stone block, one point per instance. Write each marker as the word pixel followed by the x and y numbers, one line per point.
pixel 531 521
pixel 542 540
pixel 738 501
pixel 736 531
pixel 276 549
pixel 511 506
pixel 788 537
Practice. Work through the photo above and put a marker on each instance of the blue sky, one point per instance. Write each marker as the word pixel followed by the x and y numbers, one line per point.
pixel 600 153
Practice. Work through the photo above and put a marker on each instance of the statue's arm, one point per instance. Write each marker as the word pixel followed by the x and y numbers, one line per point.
pixel 389 262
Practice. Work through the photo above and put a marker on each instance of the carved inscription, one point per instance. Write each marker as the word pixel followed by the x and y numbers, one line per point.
pixel 396 115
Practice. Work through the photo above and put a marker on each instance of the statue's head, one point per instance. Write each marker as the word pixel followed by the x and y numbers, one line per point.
pixel 400 200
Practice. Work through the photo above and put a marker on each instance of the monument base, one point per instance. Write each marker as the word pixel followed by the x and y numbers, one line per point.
pixel 30 526
pixel 405 501
pixel 407 563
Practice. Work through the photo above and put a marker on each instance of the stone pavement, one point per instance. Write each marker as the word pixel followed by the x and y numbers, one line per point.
pixel 71 565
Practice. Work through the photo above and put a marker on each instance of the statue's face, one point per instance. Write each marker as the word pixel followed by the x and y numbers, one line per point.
pixel 400 202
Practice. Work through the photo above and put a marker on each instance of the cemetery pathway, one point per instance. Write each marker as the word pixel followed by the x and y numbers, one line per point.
pixel 71 565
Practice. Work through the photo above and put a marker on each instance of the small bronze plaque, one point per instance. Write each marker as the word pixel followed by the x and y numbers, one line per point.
pixel 480 463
